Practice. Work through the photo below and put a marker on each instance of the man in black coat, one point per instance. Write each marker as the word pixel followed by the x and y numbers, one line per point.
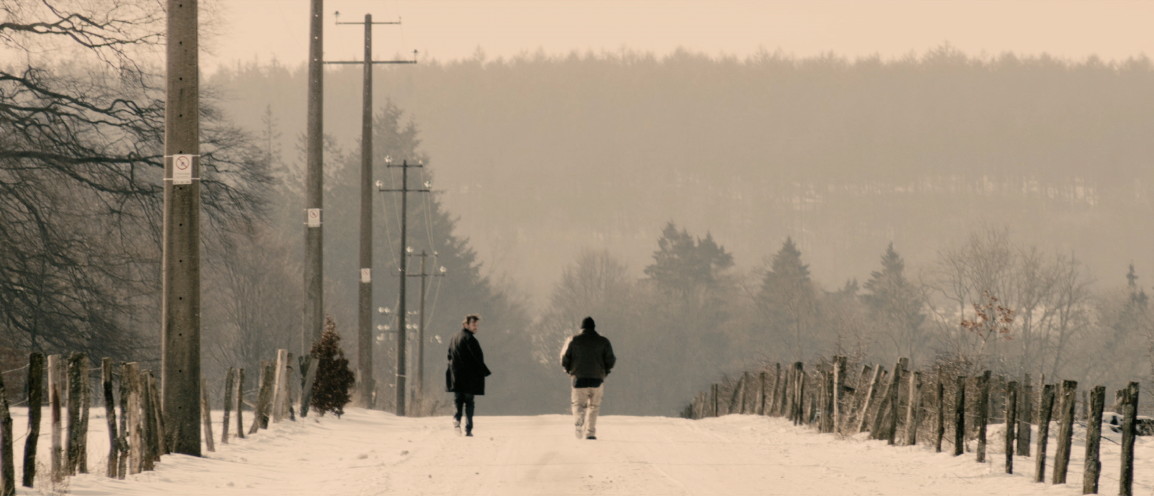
pixel 465 377
pixel 587 358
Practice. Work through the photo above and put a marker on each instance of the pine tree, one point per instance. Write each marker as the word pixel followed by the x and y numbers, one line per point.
pixel 334 378
pixel 896 306
pixel 789 301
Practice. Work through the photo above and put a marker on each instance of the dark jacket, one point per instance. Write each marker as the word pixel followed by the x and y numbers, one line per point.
pixel 467 370
pixel 588 355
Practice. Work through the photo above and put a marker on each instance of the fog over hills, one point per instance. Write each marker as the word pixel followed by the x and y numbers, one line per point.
pixel 540 157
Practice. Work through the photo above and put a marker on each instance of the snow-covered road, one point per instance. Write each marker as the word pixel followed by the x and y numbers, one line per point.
pixel 375 453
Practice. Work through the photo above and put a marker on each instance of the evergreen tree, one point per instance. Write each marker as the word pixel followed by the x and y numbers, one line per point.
pixel 789 300
pixel 895 307
pixel 334 377
pixel 683 263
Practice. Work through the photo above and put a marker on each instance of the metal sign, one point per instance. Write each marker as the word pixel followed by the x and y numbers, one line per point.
pixel 366 276
pixel 313 216
pixel 182 169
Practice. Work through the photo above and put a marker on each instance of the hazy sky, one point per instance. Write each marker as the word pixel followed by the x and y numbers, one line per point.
pixel 452 29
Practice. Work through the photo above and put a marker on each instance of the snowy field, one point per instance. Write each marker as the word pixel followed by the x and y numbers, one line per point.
pixel 375 453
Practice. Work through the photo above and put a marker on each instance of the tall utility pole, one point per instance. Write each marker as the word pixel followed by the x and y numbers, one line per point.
pixel 314 177
pixel 365 317
pixel 180 300
pixel 404 190
pixel 419 394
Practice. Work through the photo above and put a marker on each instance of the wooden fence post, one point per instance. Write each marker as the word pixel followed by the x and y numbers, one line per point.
pixel 56 458
pixel 161 444
pixel 714 408
pixel 838 391
pixel 1011 424
pixel 7 463
pixel 206 416
pixel 261 398
pixel 148 454
pixel 122 435
pixel 1045 409
pixel 109 415
pixel 914 408
pixel 280 399
pixel 229 379
pixel 762 394
pixel 1065 431
pixel 891 429
pixel 983 413
pixel 778 390
pixel 854 411
pixel 135 426
pixel 1026 415
pixel 240 403
pixel 863 412
pixel 1093 466
pixel 1129 432
pixel 940 399
pixel 85 407
pixel 960 416
pixel 35 394
pixel 77 438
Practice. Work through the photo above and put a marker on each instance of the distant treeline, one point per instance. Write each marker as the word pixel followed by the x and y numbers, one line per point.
pixel 600 150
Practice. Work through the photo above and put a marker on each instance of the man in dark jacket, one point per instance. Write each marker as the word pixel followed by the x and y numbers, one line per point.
pixel 465 376
pixel 587 358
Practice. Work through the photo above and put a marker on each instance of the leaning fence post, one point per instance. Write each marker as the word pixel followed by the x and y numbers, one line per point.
pixel 1129 432
pixel 1045 409
pixel 35 394
pixel 1065 431
pixel 1093 466
pixel 863 412
pixel 913 410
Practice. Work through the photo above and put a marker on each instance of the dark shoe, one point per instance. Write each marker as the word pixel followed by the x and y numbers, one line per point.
pixel 468 434
pixel 591 437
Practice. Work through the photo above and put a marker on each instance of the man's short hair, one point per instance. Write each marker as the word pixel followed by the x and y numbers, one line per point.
pixel 469 319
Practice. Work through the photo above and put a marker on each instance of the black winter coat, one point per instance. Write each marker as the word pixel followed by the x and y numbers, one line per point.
pixel 467 371
pixel 588 355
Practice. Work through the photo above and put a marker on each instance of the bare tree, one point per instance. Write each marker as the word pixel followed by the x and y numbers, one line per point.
pixel 81 160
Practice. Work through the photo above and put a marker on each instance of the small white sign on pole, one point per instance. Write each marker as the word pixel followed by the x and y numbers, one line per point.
pixel 182 169
pixel 313 216
pixel 366 276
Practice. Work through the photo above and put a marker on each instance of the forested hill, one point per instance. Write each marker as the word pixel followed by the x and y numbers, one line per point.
pixel 540 157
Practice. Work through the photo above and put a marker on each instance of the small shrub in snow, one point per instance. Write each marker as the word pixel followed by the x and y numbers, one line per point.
pixel 334 378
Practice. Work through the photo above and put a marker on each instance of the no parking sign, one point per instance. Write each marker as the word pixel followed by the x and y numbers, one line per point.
pixel 182 166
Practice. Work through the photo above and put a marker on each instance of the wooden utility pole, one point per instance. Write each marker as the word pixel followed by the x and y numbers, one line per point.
pixel 180 303
pixel 313 319
pixel 424 275
pixel 366 384
pixel 401 317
